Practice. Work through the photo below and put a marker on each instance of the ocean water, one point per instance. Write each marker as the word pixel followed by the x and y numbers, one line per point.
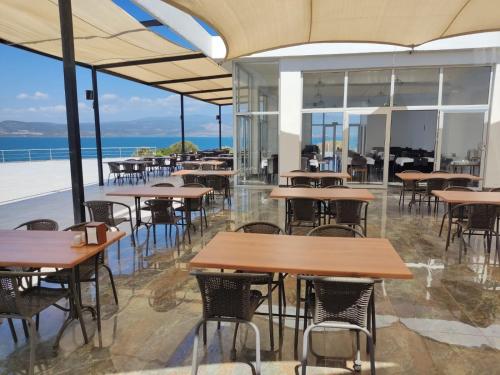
pixel 45 148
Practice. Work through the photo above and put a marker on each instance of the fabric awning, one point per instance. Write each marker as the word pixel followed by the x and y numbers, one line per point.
pixel 114 42
pixel 250 26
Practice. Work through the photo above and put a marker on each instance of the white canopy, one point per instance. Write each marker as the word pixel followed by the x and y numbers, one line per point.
pixel 111 40
pixel 250 26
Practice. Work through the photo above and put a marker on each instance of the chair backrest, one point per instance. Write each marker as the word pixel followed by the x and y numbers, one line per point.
pixel 207 167
pixel 163 184
pixel 102 211
pixel 440 171
pixel 495 189
pixel 162 211
pixel 39 224
pixel 227 295
pixel 114 167
pixel 358 161
pixel 189 178
pixel 301 181
pixel 348 211
pixel 458 182
pixel 218 183
pixel 128 167
pixel 334 230
pixel 480 216
pixel 190 166
pixel 435 184
pixel 302 186
pixel 338 187
pixel 260 227
pixel 330 181
pixel 459 188
pixel 342 299
pixel 304 209
pixel 193 204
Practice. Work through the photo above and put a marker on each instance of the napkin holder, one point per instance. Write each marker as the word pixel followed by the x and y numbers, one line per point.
pixel 95 233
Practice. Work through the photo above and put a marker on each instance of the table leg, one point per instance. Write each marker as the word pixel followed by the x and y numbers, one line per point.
pixel 97 300
pixel 138 220
pixel 449 226
pixel 280 311
pixel 297 317
pixel 201 219
pixel 286 215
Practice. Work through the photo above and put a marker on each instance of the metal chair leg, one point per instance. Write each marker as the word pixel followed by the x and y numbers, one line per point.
pixel 257 347
pixel 112 281
pixel 33 339
pixel 194 365
pixel 270 312
pixel 12 329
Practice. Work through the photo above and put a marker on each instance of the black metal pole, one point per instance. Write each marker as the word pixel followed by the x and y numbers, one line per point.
pixel 220 127
pixel 73 122
pixel 97 123
pixel 183 140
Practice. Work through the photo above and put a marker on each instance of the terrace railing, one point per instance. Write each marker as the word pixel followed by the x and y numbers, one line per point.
pixel 41 154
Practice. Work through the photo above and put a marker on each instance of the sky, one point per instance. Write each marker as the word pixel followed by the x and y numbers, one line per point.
pixel 32 89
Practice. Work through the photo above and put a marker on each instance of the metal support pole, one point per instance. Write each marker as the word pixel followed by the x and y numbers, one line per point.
pixel 97 122
pixel 220 127
pixel 183 140
pixel 73 122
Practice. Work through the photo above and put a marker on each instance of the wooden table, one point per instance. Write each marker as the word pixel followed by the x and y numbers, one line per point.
pixel 459 197
pixel 319 256
pixel 214 163
pixel 321 193
pixel 224 173
pixel 52 249
pixel 160 192
pixel 414 176
pixel 315 175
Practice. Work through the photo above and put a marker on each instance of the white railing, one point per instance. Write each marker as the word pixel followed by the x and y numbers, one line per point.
pixel 40 154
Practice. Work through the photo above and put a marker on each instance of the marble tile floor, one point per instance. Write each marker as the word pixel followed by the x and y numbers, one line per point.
pixel 444 321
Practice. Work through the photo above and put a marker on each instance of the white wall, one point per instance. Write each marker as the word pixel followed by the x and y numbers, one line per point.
pixel 414 129
pixel 492 171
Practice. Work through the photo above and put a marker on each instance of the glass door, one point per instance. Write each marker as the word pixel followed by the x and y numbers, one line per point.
pixel 461 141
pixel 365 145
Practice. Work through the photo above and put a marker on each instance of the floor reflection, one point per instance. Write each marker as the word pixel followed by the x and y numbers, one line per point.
pixel 444 321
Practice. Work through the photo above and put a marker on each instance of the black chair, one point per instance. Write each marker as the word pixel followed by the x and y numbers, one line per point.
pixel 445 215
pixel 325 182
pixel 340 303
pixel 408 186
pixel 220 186
pixel 191 205
pixel 20 302
pixel 189 179
pixel 479 217
pixel 329 208
pixel 267 228
pixel 301 181
pixel 163 213
pixel 104 211
pixel 359 166
pixel 228 297
pixel 303 212
pixel 39 224
pixel 352 213
pixel 115 170
pixel 430 185
pixel 464 182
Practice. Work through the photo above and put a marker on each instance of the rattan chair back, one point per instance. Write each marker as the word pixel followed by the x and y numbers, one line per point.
pixel 480 216
pixel 301 181
pixel 260 227
pixel 162 211
pixel 342 300
pixel 348 211
pixel 335 230
pixel 39 224
pixel 228 295
pixel 330 181
pixel 189 179
pixel 459 182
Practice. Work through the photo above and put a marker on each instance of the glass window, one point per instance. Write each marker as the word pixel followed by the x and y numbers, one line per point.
pixel 323 90
pixel 322 135
pixel 468 85
pixel 462 143
pixel 365 162
pixel 257 87
pixel 369 88
pixel 416 87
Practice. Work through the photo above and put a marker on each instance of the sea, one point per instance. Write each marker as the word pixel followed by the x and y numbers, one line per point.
pixel 46 148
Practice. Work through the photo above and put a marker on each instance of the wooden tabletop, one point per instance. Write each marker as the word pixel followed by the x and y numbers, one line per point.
pixel 322 256
pixel 321 193
pixel 183 172
pixel 422 176
pixel 22 248
pixel 161 192
pixel 203 162
pixel 316 175
pixel 458 197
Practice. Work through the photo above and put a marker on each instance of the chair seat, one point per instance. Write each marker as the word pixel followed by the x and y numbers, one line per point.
pixel 36 299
